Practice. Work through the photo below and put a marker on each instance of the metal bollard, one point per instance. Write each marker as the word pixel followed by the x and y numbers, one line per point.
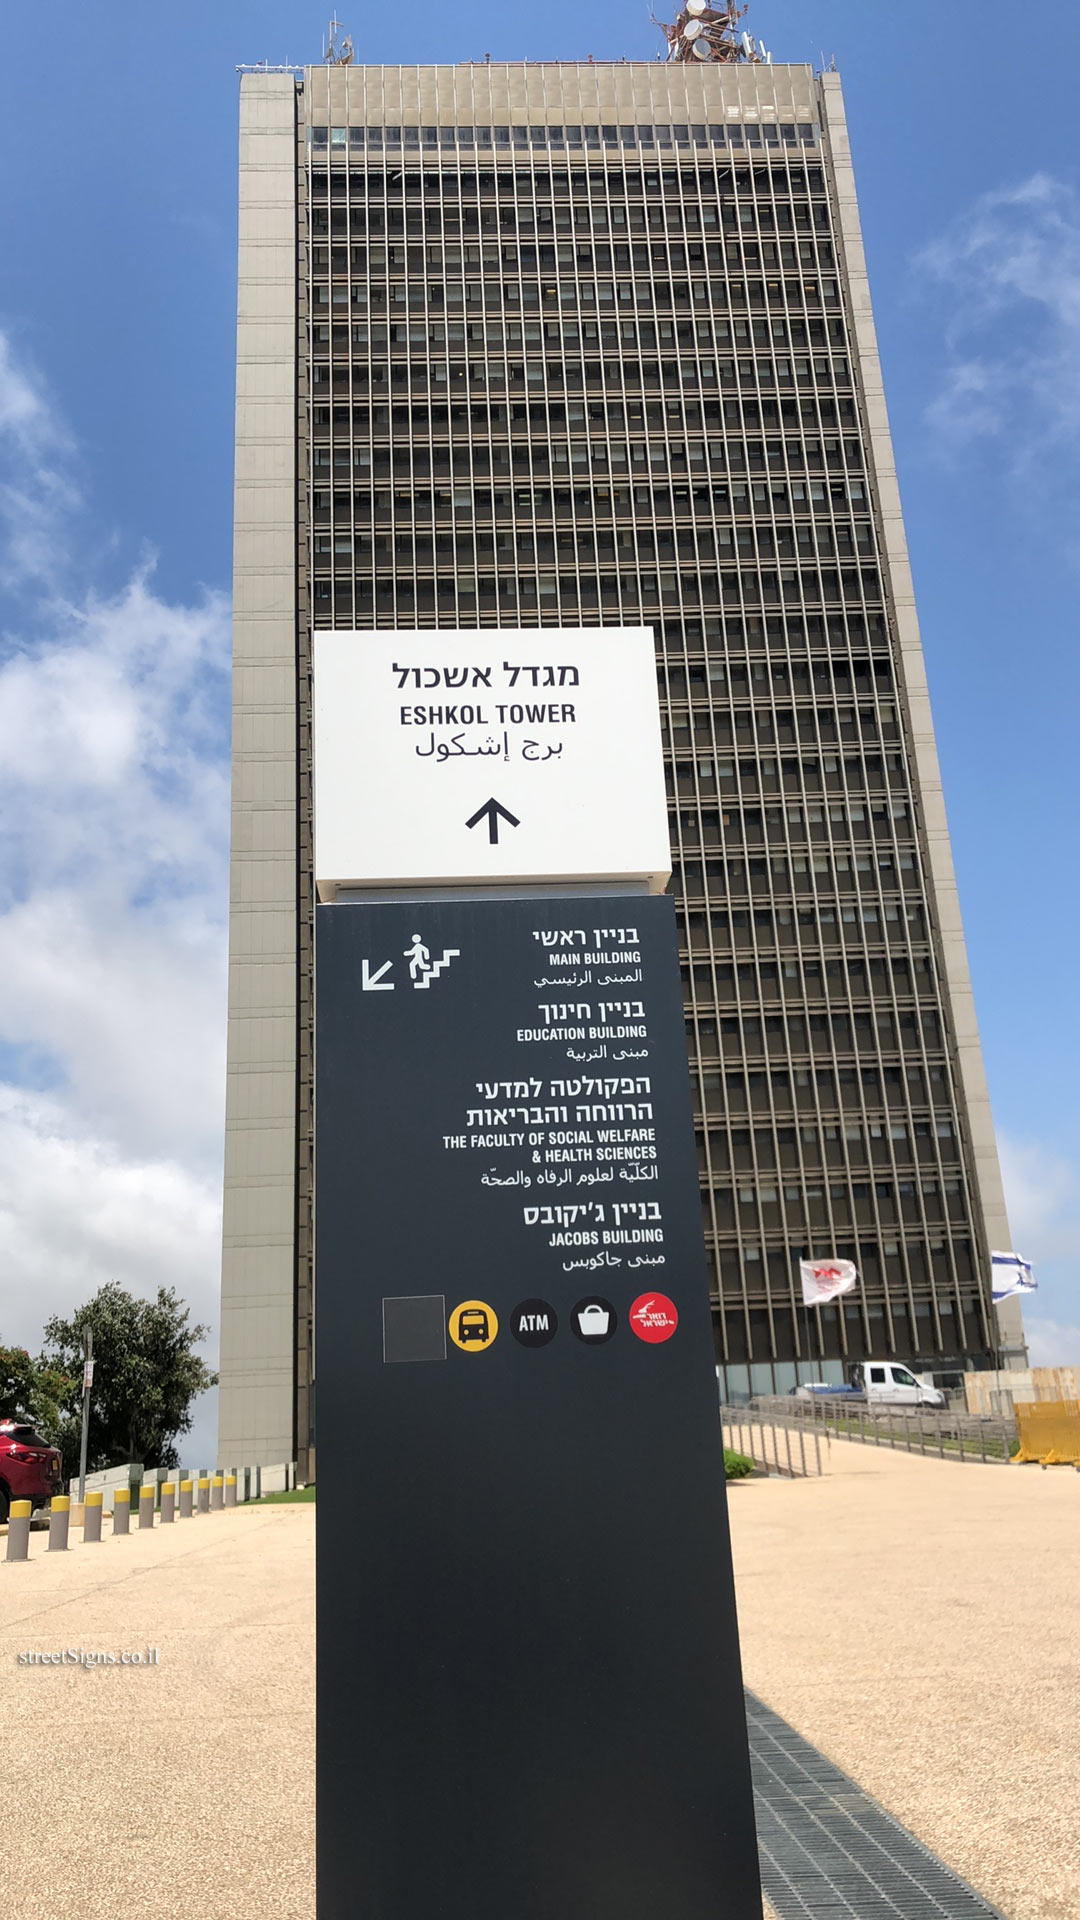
pixel 204 1494
pixel 121 1511
pixel 18 1533
pixel 147 1497
pixel 230 1489
pixel 217 1493
pixel 59 1520
pixel 92 1518
pixel 185 1499
pixel 168 1502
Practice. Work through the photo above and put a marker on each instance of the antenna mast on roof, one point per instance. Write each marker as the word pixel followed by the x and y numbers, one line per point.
pixel 705 33
pixel 337 53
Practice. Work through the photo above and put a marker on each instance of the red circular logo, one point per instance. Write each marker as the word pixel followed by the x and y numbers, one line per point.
pixel 654 1318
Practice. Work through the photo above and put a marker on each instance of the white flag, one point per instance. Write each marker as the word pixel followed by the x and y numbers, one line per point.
pixel 824 1279
pixel 1010 1274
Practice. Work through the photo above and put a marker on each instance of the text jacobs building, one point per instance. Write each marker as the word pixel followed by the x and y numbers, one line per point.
pixel 591 344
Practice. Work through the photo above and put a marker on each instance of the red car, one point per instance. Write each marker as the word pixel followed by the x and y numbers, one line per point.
pixel 29 1468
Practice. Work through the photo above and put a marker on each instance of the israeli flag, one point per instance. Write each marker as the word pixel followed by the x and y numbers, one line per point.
pixel 1010 1274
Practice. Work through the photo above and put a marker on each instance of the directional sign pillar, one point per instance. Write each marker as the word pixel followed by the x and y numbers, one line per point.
pixel 529 1698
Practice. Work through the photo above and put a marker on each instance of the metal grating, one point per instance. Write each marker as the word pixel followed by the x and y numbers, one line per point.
pixel 829 1852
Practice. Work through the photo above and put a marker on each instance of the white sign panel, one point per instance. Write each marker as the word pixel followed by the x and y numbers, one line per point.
pixel 502 754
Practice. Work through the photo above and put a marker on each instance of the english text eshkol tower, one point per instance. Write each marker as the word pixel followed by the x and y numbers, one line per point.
pixel 593 343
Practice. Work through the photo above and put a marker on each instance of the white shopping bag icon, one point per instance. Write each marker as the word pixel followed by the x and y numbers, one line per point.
pixel 593 1322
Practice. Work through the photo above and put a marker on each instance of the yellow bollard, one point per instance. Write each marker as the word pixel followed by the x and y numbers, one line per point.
pixel 230 1489
pixel 18 1539
pixel 217 1493
pixel 59 1521
pixel 186 1491
pixel 168 1502
pixel 121 1512
pixel 147 1499
pixel 92 1517
pixel 204 1493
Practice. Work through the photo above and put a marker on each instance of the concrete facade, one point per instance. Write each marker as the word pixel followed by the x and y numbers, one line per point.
pixel 969 1060
pixel 258 1335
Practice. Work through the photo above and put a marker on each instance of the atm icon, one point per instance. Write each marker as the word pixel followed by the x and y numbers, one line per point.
pixel 473 1324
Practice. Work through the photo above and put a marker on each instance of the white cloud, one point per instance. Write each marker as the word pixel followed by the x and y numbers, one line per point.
pixel 1050 1344
pixel 1043 1195
pixel 74 1212
pixel 39 483
pixel 1042 1190
pixel 113 826
pixel 1010 269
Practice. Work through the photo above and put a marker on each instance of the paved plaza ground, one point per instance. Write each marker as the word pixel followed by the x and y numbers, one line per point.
pixel 919 1621
pixel 916 1620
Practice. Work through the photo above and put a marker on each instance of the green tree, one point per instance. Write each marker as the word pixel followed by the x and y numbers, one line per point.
pixel 31 1390
pixel 146 1375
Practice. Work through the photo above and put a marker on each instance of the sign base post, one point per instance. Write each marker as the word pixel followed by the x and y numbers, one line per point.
pixel 529 1694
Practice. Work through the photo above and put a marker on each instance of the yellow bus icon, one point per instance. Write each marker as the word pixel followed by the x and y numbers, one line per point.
pixel 473 1326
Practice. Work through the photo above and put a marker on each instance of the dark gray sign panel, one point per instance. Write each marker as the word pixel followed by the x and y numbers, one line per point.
pixel 529 1696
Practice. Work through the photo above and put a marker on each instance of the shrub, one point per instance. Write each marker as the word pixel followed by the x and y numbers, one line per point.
pixel 736 1465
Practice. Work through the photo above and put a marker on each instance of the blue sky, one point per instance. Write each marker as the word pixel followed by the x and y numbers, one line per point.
pixel 116 316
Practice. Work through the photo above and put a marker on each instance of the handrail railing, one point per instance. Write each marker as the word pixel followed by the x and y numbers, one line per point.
pixel 933 1432
pixel 788 1447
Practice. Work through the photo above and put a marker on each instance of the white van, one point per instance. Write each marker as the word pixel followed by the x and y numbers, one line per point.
pixel 879 1383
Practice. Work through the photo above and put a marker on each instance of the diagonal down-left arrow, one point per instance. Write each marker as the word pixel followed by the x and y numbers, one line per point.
pixel 374 982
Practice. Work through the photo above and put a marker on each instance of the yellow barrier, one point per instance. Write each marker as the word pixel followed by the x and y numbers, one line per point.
pixel 1049 1432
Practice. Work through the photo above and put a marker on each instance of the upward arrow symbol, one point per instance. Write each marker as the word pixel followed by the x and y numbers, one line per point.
pixel 491 811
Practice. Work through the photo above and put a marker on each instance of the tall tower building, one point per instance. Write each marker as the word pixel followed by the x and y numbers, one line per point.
pixel 531 344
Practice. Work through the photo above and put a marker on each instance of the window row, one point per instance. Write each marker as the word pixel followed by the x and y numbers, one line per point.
pixel 933 1256
pixel 647 295
pixel 569 448
pixel 832 1088
pixel 643 594
pixel 846 819
pixel 862 1200
pixel 764 133
pixel 642 508
pixel 701 828
pixel 654 215
pixel 817 1036
pixel 631 547
pixel 801 873
pixel 812 456
pixel 853 977
pixel 493 257
pixel 761 719
pixel 648 289
pixel 768 723
pixel 608 183
pixel 592 335
pixel 887 1029
pixel 808 772
pixel 803 679
pixel 671 406
pixel 815 1143
pixel 784 317
pixel 571 375
pixel 633 459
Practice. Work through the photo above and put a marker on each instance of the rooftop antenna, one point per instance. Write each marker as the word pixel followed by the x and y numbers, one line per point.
pixel 337 53
pixel 702 32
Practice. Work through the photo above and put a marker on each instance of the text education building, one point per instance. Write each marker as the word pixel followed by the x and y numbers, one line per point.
pixel 531 344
